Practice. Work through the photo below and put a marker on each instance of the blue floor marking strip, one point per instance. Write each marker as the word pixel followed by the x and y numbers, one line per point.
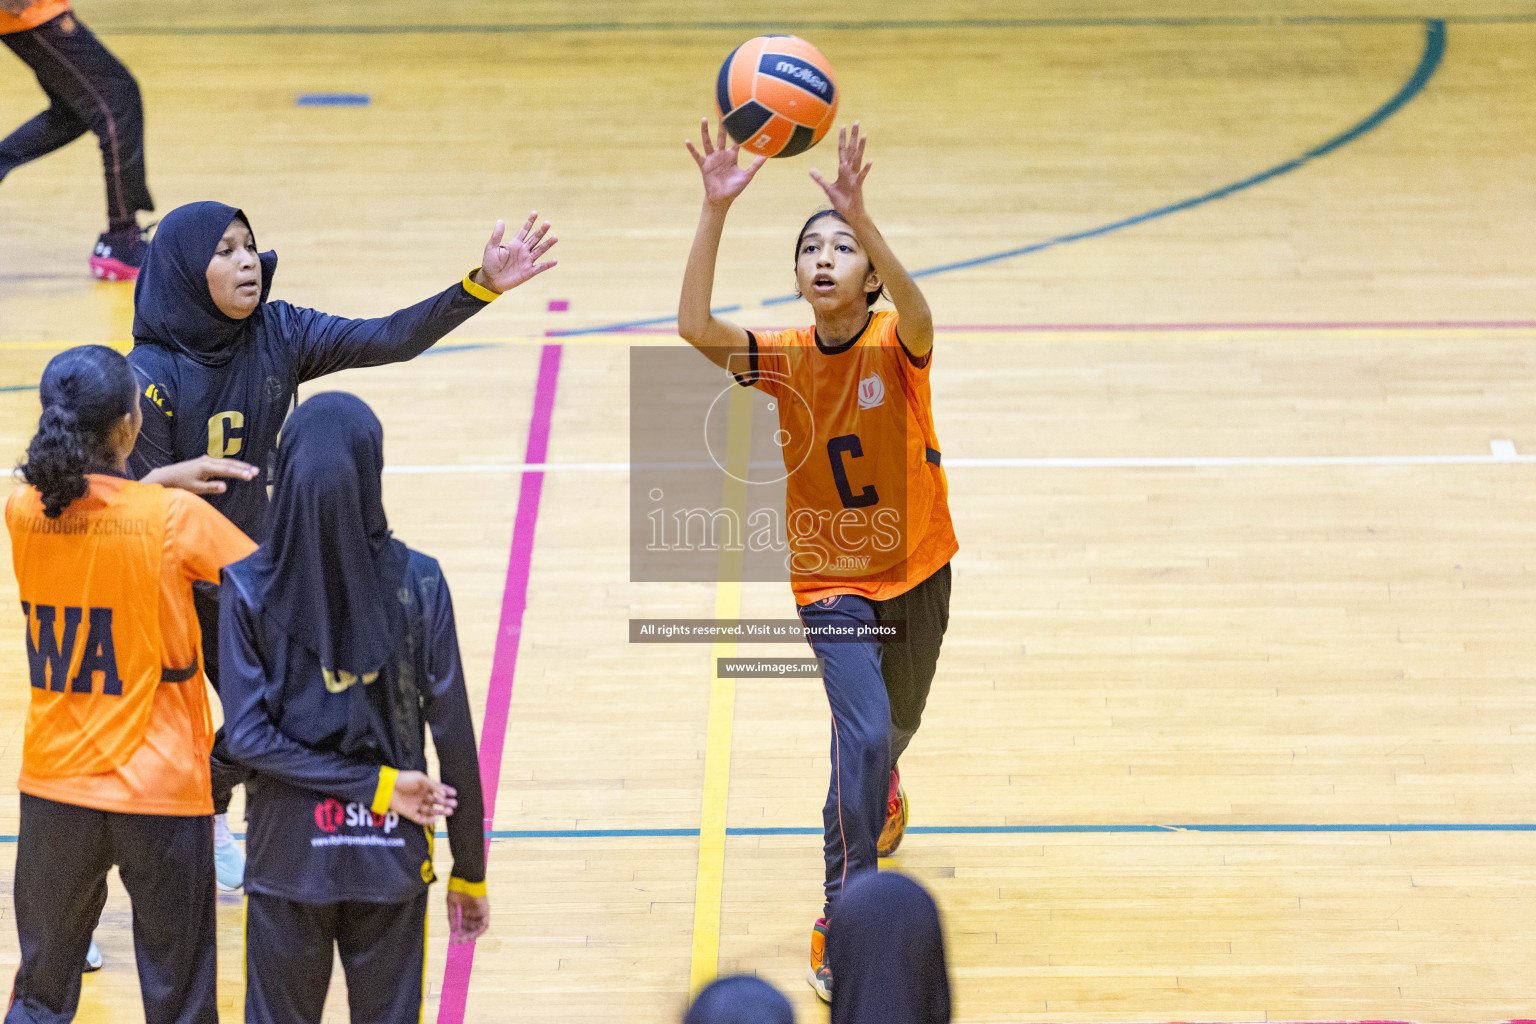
pixel 1429 63
pixel 334 99
pixel 801 25
pixel 990 830
pixel 442 350
pixel 608 328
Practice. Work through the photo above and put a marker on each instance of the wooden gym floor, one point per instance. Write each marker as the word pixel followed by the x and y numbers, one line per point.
pixel 1235 715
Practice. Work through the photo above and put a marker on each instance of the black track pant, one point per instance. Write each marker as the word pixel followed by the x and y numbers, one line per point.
pixel 89 90
pixel 225 773
pixel 288 959
pixel 166 863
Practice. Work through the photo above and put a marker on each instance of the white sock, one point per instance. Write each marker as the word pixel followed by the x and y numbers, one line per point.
pixel 221 836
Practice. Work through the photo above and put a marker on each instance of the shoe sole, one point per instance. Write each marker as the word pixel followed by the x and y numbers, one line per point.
pixel 112 270
pixel 226 888
pixel 822 993
pixel 886 851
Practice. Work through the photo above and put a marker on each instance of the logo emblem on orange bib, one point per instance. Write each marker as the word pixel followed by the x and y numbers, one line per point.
pixel 871 392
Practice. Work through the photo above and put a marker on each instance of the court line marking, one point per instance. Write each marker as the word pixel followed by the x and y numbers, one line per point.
pixel 851 25
pixel 1114 332
pixel 709 878
pixel 1501 452
pixel 1429 62
pixel 990 830
pixel 1238 326
pixel 498 699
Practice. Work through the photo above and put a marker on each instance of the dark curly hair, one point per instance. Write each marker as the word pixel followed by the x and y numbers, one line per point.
pixel 870 298
pixel 85 391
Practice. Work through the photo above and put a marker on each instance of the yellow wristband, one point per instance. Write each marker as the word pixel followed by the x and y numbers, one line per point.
pixel 467 888
pixel 479 291
pixel 386 790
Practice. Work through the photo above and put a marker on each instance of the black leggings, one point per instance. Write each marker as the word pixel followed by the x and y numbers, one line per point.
pixel 89 90
pixel 225 773
pixel 63 855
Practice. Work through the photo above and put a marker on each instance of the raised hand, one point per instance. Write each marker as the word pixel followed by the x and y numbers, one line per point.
pixel 724 177
pixel 419 797
pixel 504 267
pixel 847 193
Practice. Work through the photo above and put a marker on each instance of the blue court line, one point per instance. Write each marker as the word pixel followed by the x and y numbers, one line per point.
pixel 1429 63
pixel 438 350
pixel 18 387
pixel 608 328
pixel 804 25
pixel 334 99
pixel 991 830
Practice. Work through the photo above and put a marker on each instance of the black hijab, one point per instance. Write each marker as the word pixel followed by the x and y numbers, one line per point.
pixel 886 951
pixel 329 573
pixel 173 307
pixel 740 999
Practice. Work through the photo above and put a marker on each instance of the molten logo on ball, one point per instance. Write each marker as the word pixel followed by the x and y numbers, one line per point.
pixel 777 95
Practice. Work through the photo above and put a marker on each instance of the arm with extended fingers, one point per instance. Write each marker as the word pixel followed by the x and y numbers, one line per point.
pixel 724 180
pixel 915 326
pixel 328 343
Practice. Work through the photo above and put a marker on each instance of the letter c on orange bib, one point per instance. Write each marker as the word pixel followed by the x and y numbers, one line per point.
pixel 776 95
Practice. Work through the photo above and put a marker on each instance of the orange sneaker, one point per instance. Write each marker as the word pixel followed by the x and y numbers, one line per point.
pixel 818 973
pixel 895 817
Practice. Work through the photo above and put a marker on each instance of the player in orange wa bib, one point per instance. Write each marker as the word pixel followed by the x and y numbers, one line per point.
pixel 868 511
pixel 114 764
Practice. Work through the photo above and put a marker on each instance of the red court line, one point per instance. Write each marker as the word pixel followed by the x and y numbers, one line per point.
pixel 1256 325
pixel 498 701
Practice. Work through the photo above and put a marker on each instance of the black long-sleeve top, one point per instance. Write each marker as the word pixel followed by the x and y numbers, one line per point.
pixel 319 826
pixel 236 411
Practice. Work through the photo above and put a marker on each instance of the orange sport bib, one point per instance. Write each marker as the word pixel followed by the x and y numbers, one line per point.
pixel 90 587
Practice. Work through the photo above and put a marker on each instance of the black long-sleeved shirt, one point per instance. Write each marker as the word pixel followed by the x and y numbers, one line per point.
pixel 236 411
pixel 319 826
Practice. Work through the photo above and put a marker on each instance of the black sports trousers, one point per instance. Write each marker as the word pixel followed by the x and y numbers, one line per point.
pixel 288 959
pixel 166 863
pixel 876 692
pixel 224 772
pixel 88 90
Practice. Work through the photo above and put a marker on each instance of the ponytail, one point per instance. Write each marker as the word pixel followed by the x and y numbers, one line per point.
pixel 85 392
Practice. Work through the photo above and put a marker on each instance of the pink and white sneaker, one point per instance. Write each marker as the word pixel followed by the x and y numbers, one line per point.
pixel 118 255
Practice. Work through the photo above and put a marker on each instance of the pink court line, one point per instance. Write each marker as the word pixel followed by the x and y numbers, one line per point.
pixel 498 701
pixel 1279 325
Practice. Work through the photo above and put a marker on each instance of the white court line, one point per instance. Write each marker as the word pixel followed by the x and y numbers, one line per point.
pixel 1500 452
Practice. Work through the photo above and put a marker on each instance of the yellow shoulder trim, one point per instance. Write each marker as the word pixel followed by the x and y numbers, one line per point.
pixel 480 292
pixel 386 790
pixel 467 888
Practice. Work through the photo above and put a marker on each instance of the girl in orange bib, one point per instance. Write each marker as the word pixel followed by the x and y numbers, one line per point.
pixel 869 531
pixel 115 757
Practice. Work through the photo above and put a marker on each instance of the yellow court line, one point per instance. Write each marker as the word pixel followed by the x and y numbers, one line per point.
pixel 710 878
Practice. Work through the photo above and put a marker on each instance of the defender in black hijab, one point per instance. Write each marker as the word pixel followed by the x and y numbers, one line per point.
pixel 338 649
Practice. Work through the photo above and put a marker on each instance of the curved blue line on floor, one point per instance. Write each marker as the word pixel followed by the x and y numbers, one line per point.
pixel 1429 63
